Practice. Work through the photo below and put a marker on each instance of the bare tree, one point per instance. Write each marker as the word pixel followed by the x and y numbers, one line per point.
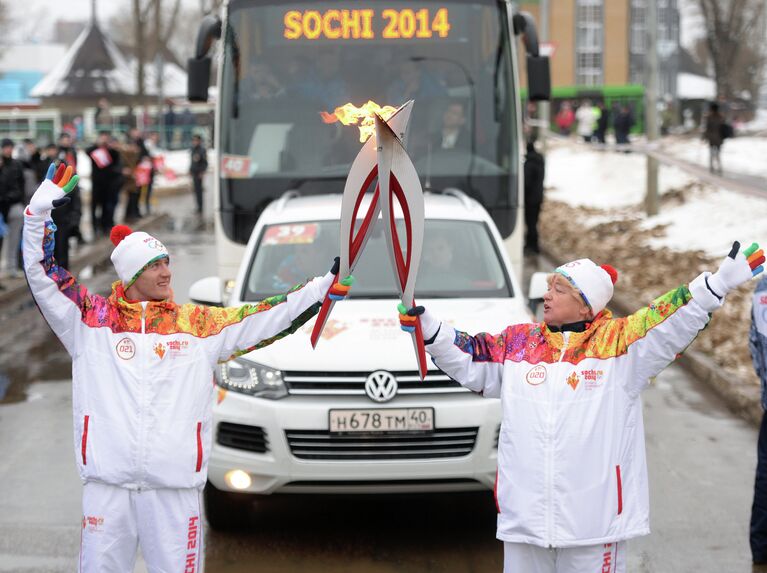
pixel 152 19
pixel 733 28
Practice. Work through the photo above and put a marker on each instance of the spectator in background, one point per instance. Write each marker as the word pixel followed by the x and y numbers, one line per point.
pixel 105 176
pixel 187 127
pixel 197 168
pixel 565 118
pixel 129 156
pixel 712 133
pixel 67 152
pixel 587 120
pixel 757 342
pixel 170 125
pixel 103 117
pixel 11 204
pixel 603 118
pixel 622 124
pixel 144 173
pixel 535 171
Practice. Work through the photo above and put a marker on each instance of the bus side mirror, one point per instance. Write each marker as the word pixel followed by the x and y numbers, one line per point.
pixel 198 67
pixel 538 78
pixel 538 73
pixel 198 78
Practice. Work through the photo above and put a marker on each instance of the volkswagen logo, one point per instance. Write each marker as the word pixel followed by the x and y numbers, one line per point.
pixel 381 386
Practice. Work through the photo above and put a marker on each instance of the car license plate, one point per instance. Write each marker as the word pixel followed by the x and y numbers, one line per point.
pixel 383 420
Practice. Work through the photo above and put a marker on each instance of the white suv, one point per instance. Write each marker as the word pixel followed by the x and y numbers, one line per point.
pixel 352 415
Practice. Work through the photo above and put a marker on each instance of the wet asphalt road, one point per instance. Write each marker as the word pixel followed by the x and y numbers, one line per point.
pixel 701 462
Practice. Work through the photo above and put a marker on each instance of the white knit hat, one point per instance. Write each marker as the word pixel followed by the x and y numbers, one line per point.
pixel 134 252
pixel 594 282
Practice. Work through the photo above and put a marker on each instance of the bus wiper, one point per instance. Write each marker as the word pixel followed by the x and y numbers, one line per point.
pixel 232 40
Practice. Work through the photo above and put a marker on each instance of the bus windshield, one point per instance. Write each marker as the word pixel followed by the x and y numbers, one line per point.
pixel 287 66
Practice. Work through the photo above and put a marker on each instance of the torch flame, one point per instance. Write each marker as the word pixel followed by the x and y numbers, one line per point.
pixel 349 114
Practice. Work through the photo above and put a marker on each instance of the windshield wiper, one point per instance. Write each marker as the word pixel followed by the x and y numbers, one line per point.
pixel 232 40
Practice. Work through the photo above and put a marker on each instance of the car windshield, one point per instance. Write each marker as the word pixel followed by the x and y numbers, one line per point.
pixel 459 260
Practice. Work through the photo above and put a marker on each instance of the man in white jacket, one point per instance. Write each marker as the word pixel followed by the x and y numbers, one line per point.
pixel 572 475
pixel 142 388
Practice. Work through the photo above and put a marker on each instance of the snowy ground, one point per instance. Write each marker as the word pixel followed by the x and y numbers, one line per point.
pixel 739 155
pixel 707 219
pixel 594 208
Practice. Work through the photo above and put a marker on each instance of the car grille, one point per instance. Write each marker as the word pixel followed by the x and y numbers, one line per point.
pixel 242 437
pixel 353 383
pixel 323 445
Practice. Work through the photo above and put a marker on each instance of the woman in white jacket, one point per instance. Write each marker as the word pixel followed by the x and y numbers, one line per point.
pixel 142 389
pixel 572 475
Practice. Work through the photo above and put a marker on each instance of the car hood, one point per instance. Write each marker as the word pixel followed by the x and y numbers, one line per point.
pixel 364 335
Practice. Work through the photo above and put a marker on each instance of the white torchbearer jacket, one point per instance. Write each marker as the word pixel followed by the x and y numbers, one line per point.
pixel 142 372
pixel 571 453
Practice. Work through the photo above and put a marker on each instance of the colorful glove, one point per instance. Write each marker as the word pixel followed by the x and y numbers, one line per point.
pixel 53 191
pixel 736 269
pixel 340 289
pixel 408 316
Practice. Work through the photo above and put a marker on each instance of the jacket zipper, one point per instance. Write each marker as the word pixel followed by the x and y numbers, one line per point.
pixel 85 439
pixel 550 441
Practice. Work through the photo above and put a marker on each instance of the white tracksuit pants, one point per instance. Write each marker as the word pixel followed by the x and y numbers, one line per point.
pixel 165 523
pixel 602 558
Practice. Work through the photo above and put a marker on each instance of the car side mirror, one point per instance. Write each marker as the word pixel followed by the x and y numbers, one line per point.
pixel 207 291
pixel 538 287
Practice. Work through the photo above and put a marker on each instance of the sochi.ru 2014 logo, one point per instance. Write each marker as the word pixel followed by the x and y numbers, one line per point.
pixel 159 350
pixel 573 380
pixel 536 375
pixel 126 349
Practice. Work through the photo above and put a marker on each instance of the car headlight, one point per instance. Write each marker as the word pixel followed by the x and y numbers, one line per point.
pixel 250 378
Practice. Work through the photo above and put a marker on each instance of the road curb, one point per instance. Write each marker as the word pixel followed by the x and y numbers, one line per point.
pixel 93 254
pixel 740 396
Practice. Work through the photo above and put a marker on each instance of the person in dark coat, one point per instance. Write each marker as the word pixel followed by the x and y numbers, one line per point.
pixel 197 169
pixel 712 133
pixel 453 134
pixel 535 171
pixel 105 178
pixel 757 343
pixel 11 203
pixel 622 125
pixel 67 152
pixel 602 123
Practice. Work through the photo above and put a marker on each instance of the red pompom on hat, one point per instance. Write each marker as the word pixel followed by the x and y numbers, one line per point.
pixel 119 232
pixel 612 272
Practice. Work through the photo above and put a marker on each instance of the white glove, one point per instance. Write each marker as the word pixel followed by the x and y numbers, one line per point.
pixel 736 269
pixel 53 191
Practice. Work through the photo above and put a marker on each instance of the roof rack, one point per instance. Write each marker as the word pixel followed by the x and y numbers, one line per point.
pixel 460 195
pixel 279 204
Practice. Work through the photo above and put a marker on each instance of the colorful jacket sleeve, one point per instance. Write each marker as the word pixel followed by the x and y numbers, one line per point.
pixel 757 338
pixel 60 298
pixel 475 362
pixel 239 330
pixel 656 334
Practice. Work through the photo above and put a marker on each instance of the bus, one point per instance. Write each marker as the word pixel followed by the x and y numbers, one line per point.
pixel 284 68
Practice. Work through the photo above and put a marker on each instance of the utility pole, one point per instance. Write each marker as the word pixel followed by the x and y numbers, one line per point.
pixel 651 107
pixel 545 114
pixel 159 67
